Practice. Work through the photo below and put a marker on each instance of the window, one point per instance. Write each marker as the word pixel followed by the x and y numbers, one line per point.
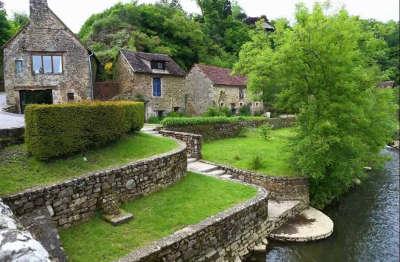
pixel 18 66
pixel 70 97
pixel 47 64
pixel 156 86
pixel 176 109
pixel 158 65
pixel 241 93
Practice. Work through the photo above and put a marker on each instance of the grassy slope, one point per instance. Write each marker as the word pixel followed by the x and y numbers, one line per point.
pixel 240 151
pixel 188 202
pixel 18 171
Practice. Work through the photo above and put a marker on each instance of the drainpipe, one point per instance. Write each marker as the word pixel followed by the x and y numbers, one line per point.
pixel 91 76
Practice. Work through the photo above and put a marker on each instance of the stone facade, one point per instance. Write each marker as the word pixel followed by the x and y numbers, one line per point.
pixel 47 35
pixel 135 84
pixel 77 200
pixel 16 243
pixel 203 93
pixel 192 141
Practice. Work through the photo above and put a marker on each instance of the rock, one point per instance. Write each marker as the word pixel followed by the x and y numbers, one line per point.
pixel 260 248
pixel 357 181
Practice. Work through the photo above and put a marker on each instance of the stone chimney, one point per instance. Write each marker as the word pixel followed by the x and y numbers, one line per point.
pixel 38 10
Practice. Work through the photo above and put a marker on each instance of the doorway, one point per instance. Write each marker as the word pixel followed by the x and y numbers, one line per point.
pixel 27 97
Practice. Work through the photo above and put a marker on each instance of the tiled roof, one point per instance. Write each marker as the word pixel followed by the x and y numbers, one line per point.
pixel 222 76
pixel 135 59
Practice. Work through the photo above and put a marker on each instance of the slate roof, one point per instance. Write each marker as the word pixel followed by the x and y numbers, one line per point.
pixel 135 59
pixel 222 76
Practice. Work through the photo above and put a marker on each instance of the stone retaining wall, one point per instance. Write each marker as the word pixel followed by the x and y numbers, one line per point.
pixel 17 244
pixel 223 237
pixel 77 200
pixel 280 188
pixel 11 136
pixel 226 130
pixel 192 141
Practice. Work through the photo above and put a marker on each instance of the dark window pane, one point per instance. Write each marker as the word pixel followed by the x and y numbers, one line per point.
pixel 57 64
pixel 37 64
pixel 18 66
pixel 47 65
pixel 156 87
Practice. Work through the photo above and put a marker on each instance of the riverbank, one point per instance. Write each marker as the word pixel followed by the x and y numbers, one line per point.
pixel 366 225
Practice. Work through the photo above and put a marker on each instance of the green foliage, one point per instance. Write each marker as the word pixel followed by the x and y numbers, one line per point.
pixel 256 163
pixel 217 111
pixel 154 120
pixel 245 110
pixel 19 171
pixel 190 121
pixel 265 131
pixel 61 130
pixel 191 200
pixel 325 70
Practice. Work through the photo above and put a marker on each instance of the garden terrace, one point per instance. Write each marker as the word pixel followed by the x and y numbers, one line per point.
pixel 252 152
pixel 189 201
pixel 19 171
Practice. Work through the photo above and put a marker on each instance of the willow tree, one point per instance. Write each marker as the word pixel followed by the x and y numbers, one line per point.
pixel 323 68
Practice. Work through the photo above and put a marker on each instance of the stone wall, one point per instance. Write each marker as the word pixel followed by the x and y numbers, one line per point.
pixel 78 199
pixel 11 136
pixel 106 90
pixel 17 244
pixel 226 130
pixel 223 237
pixel 280 188
pixel 192 141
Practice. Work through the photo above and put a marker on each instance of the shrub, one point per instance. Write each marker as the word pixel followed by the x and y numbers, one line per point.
pixel 154 120
pixel 187 121
pixel 245 111
pixel 256 163
pixel 265 131
pixel 61 130
pixel 217 111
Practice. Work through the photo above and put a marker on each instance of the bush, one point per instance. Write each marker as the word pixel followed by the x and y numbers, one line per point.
pixel 154 120
pixel 217 111
pixel 61 130
pixel 187 121
pixel 265 131
pixel 245 111
pixel 256 163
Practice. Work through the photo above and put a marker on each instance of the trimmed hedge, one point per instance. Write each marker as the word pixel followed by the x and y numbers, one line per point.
pixel 188 121
pixel 62 130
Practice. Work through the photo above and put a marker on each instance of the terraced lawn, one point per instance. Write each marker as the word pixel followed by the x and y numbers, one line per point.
pixel 18 171
pixel 190 201
pixel 240 152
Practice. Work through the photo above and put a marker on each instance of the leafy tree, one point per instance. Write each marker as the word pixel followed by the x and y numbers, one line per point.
pixel 325 70
pixel 5 34
pixel 18 21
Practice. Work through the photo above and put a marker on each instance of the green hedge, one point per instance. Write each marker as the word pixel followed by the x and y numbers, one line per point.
pixel 188 121
pixel 62 130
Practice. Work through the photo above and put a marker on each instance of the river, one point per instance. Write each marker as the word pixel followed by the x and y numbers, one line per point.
pixel 366 225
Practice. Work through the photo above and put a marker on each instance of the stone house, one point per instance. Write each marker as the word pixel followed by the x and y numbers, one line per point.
pixel 155 78
pixel 215 86
pixel 46 63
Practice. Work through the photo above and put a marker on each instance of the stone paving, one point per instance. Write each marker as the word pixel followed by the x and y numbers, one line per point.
pixel 8 120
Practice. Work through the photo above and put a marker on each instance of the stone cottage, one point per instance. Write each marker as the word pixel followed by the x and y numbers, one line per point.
pixel 155 78
pixel 215 86
pixel 46 63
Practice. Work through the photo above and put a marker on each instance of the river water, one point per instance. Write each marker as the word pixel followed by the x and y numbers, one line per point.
pixel 366 225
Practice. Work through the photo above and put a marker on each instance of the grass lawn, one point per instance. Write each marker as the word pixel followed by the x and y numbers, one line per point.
pixel 18 171
pixel 190 201
pixel 239 152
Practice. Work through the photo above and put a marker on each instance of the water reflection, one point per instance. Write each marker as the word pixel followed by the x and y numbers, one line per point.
pixel 366 225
